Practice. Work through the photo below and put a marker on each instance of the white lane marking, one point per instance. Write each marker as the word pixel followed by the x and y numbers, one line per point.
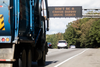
pixel 55 50
pixel 69 58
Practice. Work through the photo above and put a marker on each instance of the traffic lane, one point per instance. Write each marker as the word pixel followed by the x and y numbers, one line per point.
pixel 56 56
pixel 51 54
pixel 90 58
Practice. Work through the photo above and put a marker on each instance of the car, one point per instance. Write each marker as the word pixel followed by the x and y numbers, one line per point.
pixel 62 44
pixel 49 45
pixel 72 46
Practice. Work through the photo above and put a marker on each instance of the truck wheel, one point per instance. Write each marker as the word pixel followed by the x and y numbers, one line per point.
pixel 22 60
pixel 46 48
pixel 19 62
pixel 41 62
pixel 29 58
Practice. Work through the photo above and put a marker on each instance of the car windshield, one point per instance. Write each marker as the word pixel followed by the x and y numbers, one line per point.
pixel 62 42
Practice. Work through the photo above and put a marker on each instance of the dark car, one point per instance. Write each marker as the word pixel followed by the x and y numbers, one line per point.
pixel 49 45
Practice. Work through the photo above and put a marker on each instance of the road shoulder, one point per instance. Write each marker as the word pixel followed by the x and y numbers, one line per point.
pixel 90 58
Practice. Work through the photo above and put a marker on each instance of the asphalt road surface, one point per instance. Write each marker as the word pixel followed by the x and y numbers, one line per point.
pixel 89 58
pixel 58 56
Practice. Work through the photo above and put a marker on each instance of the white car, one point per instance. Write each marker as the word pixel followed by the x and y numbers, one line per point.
pixel 62 44
pixel 72 46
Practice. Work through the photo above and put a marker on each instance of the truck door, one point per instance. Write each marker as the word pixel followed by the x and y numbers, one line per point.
pixel 4 18
pixel 9 20
pixel 5 25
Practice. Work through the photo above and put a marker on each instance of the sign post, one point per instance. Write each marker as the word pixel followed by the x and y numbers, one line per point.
pixel 65 11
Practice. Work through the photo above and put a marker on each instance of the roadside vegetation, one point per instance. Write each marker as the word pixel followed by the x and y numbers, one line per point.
pixel 54 38
pixel 83 33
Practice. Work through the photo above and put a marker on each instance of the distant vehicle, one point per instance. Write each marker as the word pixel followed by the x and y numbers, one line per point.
pixel 72 46
pixel 62 44
pixel 49 45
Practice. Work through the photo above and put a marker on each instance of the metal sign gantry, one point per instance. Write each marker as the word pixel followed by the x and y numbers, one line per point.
pixel 73 11
pixel 91 13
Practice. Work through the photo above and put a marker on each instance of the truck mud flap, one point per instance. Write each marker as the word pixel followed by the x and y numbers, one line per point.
pixel 6 56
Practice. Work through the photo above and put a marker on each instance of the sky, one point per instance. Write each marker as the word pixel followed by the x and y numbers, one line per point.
pixel 58 25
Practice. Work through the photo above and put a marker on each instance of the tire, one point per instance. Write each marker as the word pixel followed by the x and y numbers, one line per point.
pixel 65 47
pixel 29 58
pixel 22 59
pixel 58 47
pixel 41 62
pixel 46 48
pixel 19 62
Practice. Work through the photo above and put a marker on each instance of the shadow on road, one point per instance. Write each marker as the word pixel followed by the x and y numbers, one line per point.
pixel 34 64
pixel 50 62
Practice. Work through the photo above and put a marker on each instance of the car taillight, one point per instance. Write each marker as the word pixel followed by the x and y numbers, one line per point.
pixel 49 44
pixel 3 39
pixel 65 43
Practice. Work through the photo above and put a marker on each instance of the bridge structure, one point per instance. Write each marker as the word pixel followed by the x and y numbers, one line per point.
pixel 91 13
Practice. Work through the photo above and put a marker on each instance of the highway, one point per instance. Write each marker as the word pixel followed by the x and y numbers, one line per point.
pixel 57 56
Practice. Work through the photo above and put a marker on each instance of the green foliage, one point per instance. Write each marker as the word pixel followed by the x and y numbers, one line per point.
pixel 94 33
pixel 81 33
pixel 54 38
pixel 69 35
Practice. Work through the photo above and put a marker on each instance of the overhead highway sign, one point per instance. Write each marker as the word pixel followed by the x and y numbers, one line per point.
pixel 65 11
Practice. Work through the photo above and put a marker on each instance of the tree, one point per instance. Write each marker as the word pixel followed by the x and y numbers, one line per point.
pixel 69 35
pixel 94 34
pixel 54 38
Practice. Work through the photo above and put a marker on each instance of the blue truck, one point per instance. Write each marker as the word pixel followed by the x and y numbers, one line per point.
pixel 23 26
